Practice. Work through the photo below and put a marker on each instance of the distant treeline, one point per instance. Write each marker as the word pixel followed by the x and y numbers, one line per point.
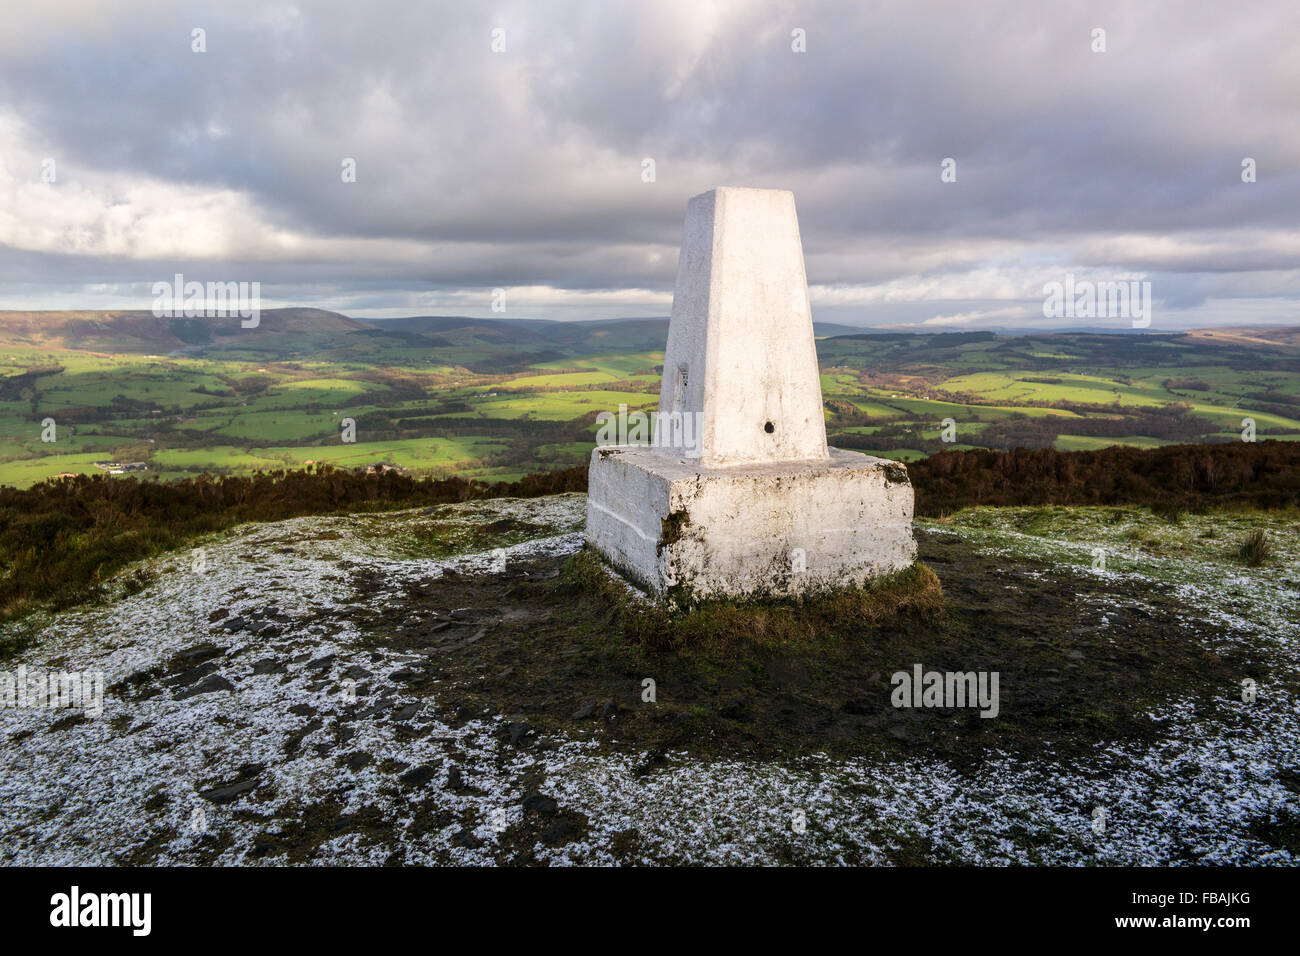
pixel 61 538
pixel 1238 474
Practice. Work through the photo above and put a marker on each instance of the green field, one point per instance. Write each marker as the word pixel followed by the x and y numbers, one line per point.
pixel 487 399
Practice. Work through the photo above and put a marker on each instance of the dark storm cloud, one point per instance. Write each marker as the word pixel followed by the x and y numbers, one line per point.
pixel 523 168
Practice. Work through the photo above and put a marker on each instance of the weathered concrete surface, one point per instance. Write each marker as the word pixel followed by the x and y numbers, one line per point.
pixel 778 528
pixel 741 356
pixel 753 503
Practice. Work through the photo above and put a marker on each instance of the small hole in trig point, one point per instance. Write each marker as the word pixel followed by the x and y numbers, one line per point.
pixel 769 428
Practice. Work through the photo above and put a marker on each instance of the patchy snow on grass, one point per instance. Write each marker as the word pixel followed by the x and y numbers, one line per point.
pixel 287 765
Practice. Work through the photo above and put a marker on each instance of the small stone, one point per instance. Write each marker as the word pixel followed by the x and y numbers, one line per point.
pixel 518 731
pixel 419 776
pixel 199 654
pixel 538 803
pixel 359 760
pixel 561 831
pixel 193 674
pixel 230 792
pixel 378 707
pixel 210 685
pixel 466 839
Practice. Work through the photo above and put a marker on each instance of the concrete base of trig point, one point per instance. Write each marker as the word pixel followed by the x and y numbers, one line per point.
pixel 779 529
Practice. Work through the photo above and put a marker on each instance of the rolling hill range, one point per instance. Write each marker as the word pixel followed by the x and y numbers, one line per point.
pixel 142 332
pixel 290 333
pixel 503 397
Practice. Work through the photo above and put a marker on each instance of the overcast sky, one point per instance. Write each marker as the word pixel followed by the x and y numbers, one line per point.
pixel 523 169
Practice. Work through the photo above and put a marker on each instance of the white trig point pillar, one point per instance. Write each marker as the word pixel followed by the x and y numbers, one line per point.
pixel 739 496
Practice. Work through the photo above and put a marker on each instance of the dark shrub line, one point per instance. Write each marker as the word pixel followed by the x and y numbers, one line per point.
pixel 61 538
pixel 1191 477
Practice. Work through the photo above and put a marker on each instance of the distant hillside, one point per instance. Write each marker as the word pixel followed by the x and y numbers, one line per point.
pixel 1284 335
pixel 620 334
pixel 460 331
pixel 594 336
pixel 485 344
pixel 140 331
pixel 500 397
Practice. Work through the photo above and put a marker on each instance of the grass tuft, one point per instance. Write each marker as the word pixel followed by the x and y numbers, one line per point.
pixel 733 625
pixel 1255 549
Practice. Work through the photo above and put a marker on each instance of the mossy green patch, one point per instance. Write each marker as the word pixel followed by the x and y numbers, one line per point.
pixel 563 646
pixel 729 626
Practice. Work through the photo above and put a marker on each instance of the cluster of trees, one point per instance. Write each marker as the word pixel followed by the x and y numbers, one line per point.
pixel 23 385
pixel 1167 422
pixel 1238 474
